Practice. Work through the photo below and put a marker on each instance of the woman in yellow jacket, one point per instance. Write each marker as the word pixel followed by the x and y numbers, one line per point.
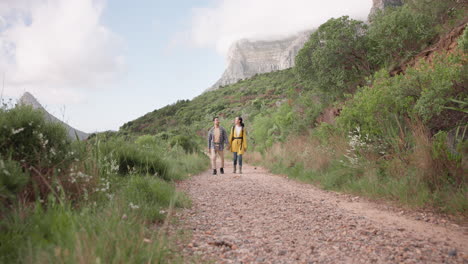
pixel 238 142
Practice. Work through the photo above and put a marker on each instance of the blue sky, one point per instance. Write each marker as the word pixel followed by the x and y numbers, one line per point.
pixel 157 73
pixel 97 64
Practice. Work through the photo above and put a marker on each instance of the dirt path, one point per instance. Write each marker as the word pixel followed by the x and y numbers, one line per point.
pixel 258 217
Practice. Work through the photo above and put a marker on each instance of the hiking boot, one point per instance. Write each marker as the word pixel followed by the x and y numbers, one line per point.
pixel 221 170
pixel 240 169
pixel 234 171
pixel 214 172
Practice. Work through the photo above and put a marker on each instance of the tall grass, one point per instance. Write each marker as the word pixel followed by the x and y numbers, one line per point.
pixel 104 201
pixel 424 175
pixel 106 231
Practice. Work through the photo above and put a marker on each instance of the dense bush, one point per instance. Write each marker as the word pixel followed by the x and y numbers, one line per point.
pixel 398 33
pixel 335 58
pixel 424 92
pixel 12 179
pixel 33 148
pixel 440 13
pixel 26 137
pixel 187 142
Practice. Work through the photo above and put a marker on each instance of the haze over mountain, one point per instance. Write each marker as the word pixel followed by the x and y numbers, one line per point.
pixel 29 99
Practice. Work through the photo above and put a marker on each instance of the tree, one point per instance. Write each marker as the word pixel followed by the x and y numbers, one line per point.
pixel 335 59
pixel 397 33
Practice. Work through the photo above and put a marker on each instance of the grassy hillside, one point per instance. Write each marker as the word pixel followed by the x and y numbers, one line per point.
pixel 246 98
pixel 400 137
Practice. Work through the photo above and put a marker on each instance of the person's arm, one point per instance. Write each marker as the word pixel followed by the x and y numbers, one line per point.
pixel 244 140
pixel 226 140
pixel 230 138
pixel 210 137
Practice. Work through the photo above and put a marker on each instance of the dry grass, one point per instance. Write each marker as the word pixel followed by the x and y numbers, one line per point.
pixel 304 149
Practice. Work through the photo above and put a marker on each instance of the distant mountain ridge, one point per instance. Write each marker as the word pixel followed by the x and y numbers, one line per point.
pixel 29 99
pixel 248 57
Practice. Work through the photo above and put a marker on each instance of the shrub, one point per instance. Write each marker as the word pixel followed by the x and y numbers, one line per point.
pixel 372 108
pixel 27 138
pixel 463 41
pixel 335 57
pixel 439 82
pixel 264 132
pixel 132 159
pixel 12 179
pixel 186 142
pixel 425 92
pixel 397 33
pixel 41 148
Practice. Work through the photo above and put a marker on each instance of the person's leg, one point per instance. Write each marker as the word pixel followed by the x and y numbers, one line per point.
pixel 235 162
pixel 221 156
pixel 213 160
pixel 240 163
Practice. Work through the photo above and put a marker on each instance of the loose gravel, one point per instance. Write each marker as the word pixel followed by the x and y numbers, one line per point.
pixel 258 217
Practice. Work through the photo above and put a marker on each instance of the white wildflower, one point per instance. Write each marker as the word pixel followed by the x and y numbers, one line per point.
pixel 16 131
pixel 133 206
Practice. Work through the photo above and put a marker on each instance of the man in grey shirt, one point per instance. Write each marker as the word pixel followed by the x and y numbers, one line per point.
pixel 217 138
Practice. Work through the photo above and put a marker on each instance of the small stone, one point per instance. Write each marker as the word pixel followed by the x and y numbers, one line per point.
pixel 453 253
pixel 146 240
pixel 282 252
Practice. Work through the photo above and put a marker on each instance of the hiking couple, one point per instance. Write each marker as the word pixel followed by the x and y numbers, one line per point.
pixel 236 142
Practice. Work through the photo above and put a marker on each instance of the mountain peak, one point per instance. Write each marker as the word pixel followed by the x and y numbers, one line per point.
pixel 249 57
pixel 28 99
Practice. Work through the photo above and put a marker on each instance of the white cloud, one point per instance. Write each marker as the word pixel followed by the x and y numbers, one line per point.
pixel 230 20
pixel 56 48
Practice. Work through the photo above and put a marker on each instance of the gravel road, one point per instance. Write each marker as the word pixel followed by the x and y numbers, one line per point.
pixel 258 217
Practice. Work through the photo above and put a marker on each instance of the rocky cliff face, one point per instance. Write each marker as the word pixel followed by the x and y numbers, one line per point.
pixel 382 4
pixel 247 58
pixel 29 99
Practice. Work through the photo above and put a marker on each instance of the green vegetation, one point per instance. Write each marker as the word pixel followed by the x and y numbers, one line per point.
pixel 398 33
pixel 86 202
pixel 335 59
pixel 401 138
pixel 246 98
pixel 389 140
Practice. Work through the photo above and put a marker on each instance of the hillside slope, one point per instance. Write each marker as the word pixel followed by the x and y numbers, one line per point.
pixel 246 98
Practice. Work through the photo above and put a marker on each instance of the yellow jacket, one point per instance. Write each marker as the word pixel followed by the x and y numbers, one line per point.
pixel 237 142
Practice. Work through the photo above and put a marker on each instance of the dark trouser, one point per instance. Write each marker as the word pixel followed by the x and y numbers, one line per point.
pixel 237 157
